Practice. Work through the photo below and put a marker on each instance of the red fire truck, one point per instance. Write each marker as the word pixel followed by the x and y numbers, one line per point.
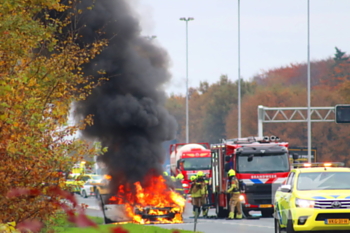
pixel 261 163
pixel 188 159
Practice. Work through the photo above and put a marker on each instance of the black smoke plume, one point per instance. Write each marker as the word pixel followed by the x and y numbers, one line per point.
pixel 128 113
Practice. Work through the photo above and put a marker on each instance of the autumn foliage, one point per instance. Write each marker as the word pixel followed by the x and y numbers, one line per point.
pixel 214 107
pixel 40 78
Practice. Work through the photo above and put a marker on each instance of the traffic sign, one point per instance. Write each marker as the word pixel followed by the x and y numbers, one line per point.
pixel 342 113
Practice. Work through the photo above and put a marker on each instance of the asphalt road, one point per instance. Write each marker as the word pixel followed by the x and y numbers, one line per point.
pixel 262 225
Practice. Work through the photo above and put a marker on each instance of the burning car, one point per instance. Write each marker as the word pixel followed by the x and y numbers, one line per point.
pixel 155 203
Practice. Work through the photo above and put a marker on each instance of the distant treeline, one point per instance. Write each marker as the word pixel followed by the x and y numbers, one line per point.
pixel 213 112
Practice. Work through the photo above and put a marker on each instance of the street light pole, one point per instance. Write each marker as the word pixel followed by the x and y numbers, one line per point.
pixel 239 71
pixel 187 117
pixel 308 85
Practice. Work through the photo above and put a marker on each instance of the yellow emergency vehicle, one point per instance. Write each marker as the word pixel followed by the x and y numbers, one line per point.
pixel 77 183
pixel 315 197
pixel 74 181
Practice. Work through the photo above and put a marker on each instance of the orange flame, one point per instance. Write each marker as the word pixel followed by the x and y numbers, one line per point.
pixel 155 203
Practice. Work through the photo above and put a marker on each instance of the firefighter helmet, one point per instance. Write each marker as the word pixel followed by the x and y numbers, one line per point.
pixel 165 174
pixel 231 172
pixel 200 173
pixel 180 176
pixel 193 178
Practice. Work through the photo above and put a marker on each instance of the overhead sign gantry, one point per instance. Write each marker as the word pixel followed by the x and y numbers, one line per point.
pixel 338 114
pixel 293 114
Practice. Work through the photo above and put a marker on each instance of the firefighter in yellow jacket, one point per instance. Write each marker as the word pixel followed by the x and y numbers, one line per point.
pixel 204 183
pixel 196 192
pixel 233 190
pixel 178 184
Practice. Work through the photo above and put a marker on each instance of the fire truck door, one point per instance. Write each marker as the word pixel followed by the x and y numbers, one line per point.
pixel 215 170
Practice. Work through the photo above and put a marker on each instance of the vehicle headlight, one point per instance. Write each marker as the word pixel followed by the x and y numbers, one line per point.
pixel 302 203
pixel 242 199
pixel 185 185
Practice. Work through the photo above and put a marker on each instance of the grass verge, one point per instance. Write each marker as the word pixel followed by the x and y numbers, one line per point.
pixel 132 228
pixel 59 224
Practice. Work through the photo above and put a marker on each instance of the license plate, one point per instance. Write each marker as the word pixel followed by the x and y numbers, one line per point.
pixel 337 221
pixel 265 206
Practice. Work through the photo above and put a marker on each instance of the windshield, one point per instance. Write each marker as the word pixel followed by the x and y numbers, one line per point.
pixel 203 163
pixel 323 180
pixel 263 163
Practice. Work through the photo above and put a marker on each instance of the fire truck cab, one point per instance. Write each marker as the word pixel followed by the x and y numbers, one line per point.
pixel 188 159
pixel 261 164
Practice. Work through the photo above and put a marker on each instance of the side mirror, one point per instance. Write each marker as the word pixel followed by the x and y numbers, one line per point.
pixel 250 158
pixel 178 163
pixel 286 188
pixel 295 156
pixel 227 158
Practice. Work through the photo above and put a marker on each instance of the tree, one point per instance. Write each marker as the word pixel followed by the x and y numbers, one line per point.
pixel 221 97
pixel 339 71
pixel 345 91
pixel 276 95
pixel 203 87
pixel 295 74
pixel 329 138
pixel 197 105
pixel 214 113
pixel 339 56
pixel 40 77
pixel 208 108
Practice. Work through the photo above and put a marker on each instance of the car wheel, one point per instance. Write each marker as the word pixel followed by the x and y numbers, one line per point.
pixel 290 228
pixel 277 226
pixel 83 194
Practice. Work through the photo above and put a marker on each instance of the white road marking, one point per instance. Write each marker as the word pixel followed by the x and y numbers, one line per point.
pixel 234 222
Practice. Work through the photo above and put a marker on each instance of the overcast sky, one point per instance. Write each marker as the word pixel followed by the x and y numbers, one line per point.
pixel 273 34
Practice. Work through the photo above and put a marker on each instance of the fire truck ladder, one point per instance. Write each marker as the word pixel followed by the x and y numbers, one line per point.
pixel 293 114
